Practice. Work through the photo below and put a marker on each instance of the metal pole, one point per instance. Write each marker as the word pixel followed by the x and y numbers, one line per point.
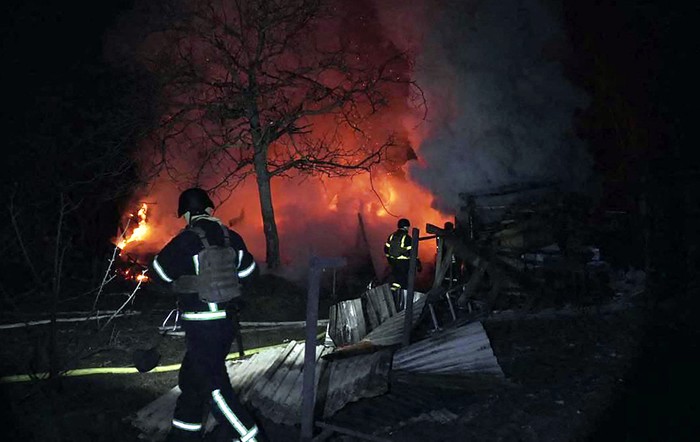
pixel 408 310
pixel 316 266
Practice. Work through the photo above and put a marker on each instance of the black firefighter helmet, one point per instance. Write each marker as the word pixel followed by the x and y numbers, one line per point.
pixel 194 200
pixel 403 223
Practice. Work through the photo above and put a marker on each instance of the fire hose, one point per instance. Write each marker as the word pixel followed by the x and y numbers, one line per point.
pixel 120 370
pixel 150 360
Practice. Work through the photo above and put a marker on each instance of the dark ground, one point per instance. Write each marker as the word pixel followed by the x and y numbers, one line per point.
pixel 587 375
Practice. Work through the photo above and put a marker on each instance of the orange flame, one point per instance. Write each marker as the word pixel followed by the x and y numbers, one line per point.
pixel 140 232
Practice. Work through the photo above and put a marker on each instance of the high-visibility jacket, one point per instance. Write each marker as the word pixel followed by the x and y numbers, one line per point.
pixel 179 258
pixel 398 245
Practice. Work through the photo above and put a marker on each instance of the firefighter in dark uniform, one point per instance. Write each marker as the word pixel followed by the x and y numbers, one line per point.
pixel 209 329
pixel 397 249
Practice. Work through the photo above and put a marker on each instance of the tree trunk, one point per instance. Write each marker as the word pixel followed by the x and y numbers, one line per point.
pixel 272 241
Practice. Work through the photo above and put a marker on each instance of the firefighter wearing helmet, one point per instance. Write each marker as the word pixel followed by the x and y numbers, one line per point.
pixel 209 322
pixel 397 249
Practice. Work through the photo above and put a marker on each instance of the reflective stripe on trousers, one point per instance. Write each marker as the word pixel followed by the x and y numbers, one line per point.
pixel 247 434
pixel 186 426
pixel 203 316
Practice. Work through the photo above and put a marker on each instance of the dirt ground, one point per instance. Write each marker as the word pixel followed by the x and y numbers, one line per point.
pixel 625 374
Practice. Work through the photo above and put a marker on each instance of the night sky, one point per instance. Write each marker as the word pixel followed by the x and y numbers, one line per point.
pixel 640 52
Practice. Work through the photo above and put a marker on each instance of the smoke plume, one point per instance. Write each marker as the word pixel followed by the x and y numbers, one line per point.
pixel 500 107
pixel 499 112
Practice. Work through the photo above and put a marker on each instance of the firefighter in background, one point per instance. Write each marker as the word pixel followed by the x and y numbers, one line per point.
pixel 397 249
pixel 209 327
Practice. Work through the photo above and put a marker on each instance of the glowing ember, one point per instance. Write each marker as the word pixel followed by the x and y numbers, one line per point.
pixel 133 274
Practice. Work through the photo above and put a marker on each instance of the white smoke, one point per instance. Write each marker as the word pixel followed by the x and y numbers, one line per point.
pixel 500 108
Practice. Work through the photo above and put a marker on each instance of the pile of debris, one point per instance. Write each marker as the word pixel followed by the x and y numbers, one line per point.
pixel 505 253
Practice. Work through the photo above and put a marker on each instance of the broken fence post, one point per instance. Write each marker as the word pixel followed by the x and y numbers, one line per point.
pixel 408 310
pixel 316 266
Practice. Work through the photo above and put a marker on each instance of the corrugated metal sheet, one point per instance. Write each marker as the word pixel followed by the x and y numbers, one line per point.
pixel 378 305
pixel 154 419
pixel 271 382
pixel 346 323
pixel 350 321
pixel 348 380
pixel 279 397
pixel 390 332
pixel 372 317
pixel 425 376
pixel 463 350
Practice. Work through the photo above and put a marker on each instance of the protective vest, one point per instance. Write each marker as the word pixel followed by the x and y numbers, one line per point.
pixel 216 272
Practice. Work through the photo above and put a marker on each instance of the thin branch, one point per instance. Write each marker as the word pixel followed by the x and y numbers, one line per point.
pixel 386 209
pixel 25 253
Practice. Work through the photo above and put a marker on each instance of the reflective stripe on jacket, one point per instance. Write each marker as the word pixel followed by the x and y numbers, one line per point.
pixel 404 244
pixel 179 258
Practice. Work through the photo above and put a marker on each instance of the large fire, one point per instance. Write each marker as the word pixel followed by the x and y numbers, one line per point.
pixel 315 215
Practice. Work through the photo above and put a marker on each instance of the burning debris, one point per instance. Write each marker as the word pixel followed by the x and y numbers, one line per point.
pixel 138 230
pixel 135 230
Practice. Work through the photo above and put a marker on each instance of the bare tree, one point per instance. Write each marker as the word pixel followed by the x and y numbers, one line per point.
pixel 271 88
